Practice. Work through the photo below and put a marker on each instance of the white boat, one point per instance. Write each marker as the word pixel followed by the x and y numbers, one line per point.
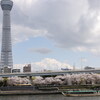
pixel 81 93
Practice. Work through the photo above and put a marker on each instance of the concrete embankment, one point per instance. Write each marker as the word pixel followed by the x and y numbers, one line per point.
pixel 22 92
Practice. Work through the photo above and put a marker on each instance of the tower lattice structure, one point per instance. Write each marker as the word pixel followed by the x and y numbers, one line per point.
pixel 6 48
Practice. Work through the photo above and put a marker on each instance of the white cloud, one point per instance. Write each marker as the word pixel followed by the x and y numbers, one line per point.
pixel 69 24
pixel 46 64
pixel 22 33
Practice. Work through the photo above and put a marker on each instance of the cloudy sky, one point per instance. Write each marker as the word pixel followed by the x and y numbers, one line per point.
pixel 65 30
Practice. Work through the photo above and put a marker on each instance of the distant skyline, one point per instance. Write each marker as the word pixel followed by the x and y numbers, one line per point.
pixel 65 30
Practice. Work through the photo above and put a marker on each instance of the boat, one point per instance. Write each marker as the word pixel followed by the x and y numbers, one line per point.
pixel 81 93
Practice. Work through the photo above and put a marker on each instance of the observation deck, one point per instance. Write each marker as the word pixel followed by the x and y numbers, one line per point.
pixel 6 4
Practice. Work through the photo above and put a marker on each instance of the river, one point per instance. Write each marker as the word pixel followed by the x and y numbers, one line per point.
pixel 46 97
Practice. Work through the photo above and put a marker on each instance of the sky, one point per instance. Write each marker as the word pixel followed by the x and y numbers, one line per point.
pixel 56 31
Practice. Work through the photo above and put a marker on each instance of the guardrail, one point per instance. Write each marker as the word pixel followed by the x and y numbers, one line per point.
pixel 49 73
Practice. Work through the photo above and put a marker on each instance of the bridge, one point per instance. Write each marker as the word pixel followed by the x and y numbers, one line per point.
pixel 50 73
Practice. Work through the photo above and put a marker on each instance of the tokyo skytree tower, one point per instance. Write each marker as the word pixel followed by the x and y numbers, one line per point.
pixel 6 48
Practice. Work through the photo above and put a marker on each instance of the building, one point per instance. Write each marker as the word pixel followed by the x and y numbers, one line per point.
pixel 27 68
pixel 64 69
pixel 7 70
pixel 6 49
pixel 87 67
pixel 1 70
pixel 15 70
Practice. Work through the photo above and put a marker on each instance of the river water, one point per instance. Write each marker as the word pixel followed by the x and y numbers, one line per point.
pixel 46 97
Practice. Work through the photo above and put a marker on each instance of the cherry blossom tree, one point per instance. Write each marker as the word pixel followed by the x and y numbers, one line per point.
pixel 18 80
pixel 68 79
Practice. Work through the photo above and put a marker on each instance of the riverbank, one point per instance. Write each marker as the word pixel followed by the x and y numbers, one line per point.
pixel 28 92
pixel 36 90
